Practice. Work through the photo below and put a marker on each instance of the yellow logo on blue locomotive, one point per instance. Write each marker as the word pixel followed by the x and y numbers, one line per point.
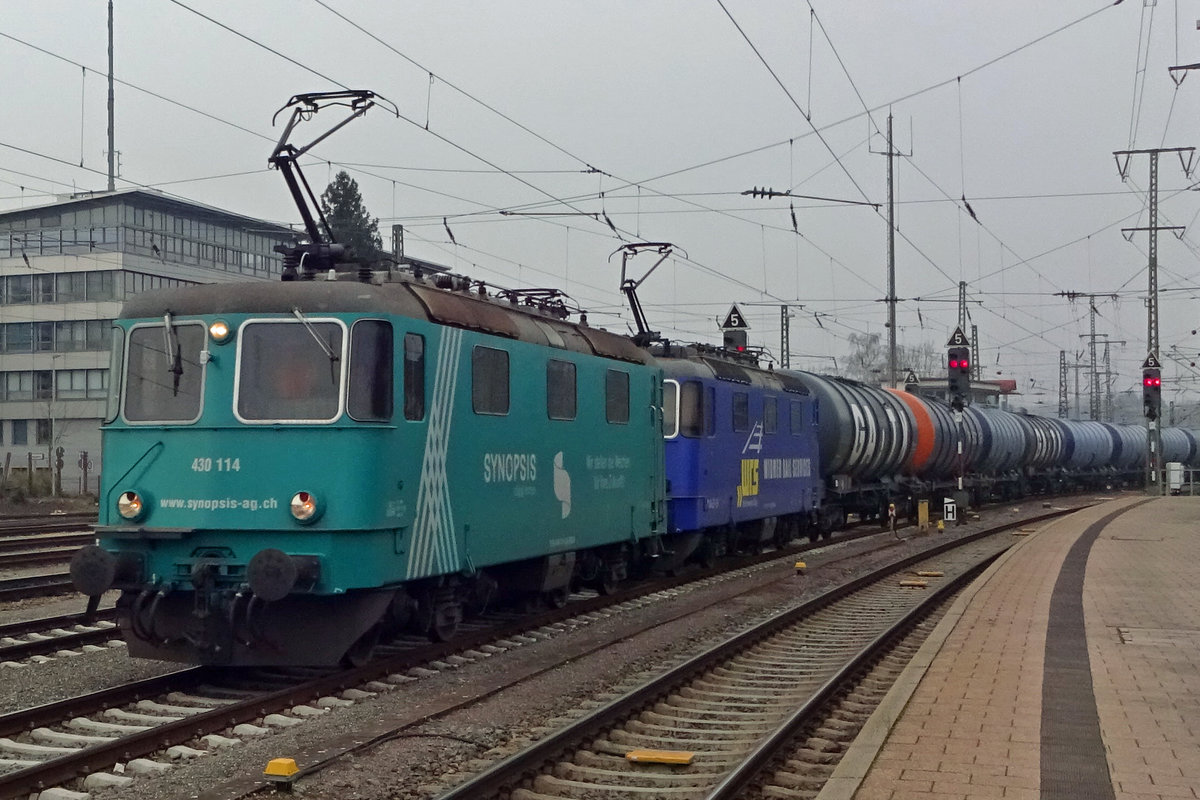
pixel 749 485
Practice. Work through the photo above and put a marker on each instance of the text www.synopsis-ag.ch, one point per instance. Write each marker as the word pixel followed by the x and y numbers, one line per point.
pixel 214 504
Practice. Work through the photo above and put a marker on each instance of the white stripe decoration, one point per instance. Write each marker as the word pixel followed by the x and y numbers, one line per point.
pixel 434 549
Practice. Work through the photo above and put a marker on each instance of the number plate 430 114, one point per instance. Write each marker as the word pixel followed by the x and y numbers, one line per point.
pixel 216 465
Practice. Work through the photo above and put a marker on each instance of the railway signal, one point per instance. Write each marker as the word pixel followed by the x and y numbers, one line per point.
pixel 1151 392
pixel 734 330
pixel 958 373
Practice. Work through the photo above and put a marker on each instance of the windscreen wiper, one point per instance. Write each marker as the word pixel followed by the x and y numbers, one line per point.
pixel 333 357
pixel 174 356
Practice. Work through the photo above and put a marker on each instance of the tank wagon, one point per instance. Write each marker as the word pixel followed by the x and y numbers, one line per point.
pixel 885 446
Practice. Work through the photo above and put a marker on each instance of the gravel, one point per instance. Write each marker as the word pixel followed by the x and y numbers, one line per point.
pixel 566 674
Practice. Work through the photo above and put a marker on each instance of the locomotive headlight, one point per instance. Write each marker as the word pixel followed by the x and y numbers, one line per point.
pixel 219 331
pixel 132 506
pixel 304 507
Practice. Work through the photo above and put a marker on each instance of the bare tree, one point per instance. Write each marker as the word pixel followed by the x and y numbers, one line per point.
pixel 924 359
pixel 867 359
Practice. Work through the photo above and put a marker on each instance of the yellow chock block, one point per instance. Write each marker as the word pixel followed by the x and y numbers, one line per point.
pixel 941 526
pixel 931 573
pixel 681 757
pixel 914 584
pixel 282 772
pixel 800 567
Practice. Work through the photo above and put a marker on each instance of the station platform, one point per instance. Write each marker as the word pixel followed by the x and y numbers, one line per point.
pixel 1069 669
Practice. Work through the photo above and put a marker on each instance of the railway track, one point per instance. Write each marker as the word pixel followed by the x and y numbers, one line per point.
pixel 56 550
pixel 55 744
pixel 38 542
pixel 728 714
pixel 44 585
pixel 47 635
pixel 24 526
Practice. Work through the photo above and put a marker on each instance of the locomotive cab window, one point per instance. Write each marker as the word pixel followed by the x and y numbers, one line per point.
pixel 116 357
pixel 369 397
pixel 414 376
pixel 670 409
pixel 560 390
pixel 797 418
pixel 770 415
pixel 489 381
pixel 741 412
pixel 693 410
pixel 163 373
pixel 616 397
pixel 290 371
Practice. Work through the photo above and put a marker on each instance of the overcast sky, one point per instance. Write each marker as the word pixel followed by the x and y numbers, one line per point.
pixel 659 115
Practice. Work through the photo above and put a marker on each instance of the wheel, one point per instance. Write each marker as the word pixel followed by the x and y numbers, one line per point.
pixel 606 583
pixel 446 616
pixel 706 553
pixel 556 598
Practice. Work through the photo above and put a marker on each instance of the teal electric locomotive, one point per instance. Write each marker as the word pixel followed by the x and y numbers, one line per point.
pixel 292 468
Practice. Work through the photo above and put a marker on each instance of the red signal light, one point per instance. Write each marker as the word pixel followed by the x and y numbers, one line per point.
pixel 964 364
pixel 954 363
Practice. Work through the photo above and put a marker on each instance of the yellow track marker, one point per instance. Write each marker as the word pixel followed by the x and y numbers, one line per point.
pixel 914 584
pixel 281 772
pixel 682 757
pixel 931 573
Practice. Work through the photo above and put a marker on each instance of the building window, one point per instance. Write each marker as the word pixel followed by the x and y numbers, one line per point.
pixel 43 288
pixel 560 389
pixel 19 289
pixel 97 383
pixel 42 434
pixel 43 337
pixel 616 397
pixel 18 386
pixel 18 337
pixel 71 287
pixel 43 385
pixel 99 286
pixel 489 381
pixel 20 432
pixel 70 384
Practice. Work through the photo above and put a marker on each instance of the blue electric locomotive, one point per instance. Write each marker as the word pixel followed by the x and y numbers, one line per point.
pixel 742 461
